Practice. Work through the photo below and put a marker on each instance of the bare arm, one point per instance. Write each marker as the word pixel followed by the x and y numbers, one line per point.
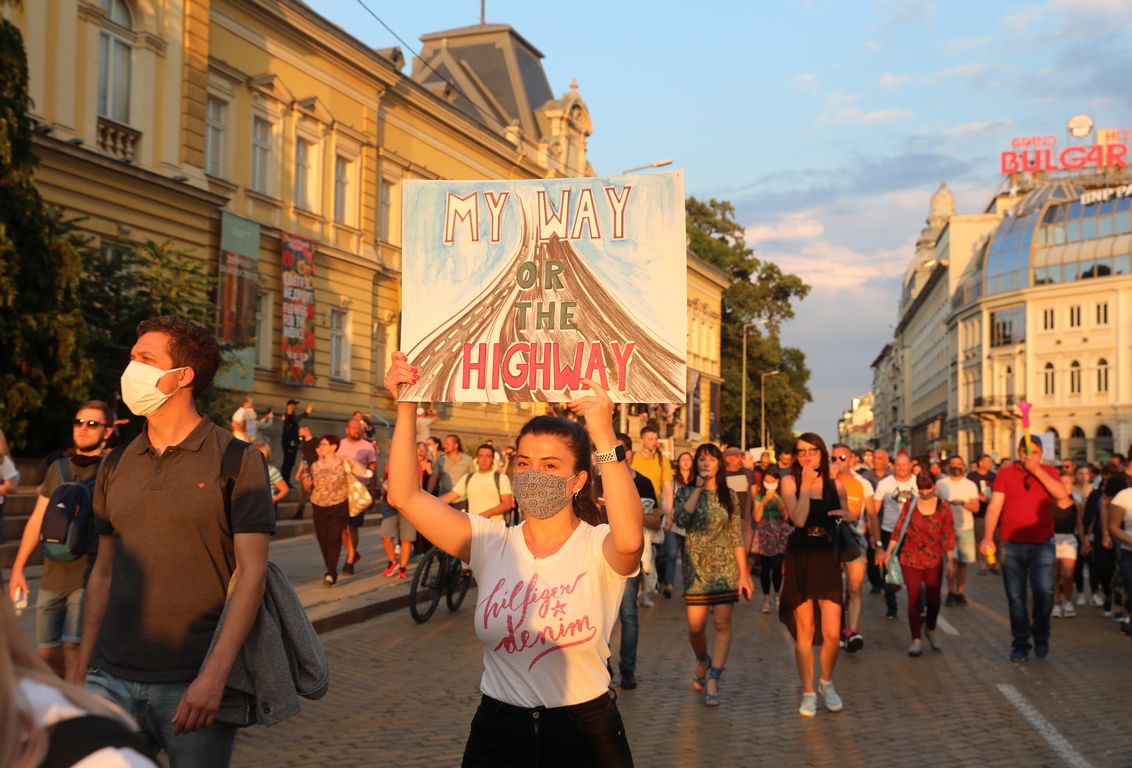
pixel 872 520
pixel 994 511
pixel 444 526
pixel 797 500
pixel 971 504
pixel 201 701
pixel 28 542
pixel 94 606
pixel 281 491
pixel 1116 526
pixel 666 497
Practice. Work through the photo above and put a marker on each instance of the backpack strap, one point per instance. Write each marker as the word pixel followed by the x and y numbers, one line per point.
pixel 498 490
pixel 71 741
pixel 64 466
pixel 230 472
pixel 110 461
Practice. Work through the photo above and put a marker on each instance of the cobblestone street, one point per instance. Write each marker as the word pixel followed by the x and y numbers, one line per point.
pixel 403 694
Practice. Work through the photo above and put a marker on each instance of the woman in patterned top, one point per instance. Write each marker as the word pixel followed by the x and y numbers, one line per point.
pixel 772 529
pixel 329 487
pixel 715 565
pixel 925 552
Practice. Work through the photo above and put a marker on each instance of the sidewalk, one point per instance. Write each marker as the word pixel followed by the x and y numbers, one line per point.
pixel 353 599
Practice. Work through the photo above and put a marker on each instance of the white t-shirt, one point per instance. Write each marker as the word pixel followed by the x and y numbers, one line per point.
pixel 544 623
pixel 890 492
pixel 8 471
pixel 48 706
pixel 245 419
pixel 479 488
pixel 1124 501
pixel 958 491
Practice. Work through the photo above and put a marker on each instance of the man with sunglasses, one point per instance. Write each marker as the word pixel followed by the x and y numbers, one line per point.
pixel 859 495
pixel 62 586
pixel 1022 500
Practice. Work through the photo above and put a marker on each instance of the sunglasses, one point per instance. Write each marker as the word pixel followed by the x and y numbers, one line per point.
pixel 88 423
pixel 839 458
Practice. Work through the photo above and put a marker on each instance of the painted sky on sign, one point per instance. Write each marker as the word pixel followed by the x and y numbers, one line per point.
pixel 450 276
pixel 827 124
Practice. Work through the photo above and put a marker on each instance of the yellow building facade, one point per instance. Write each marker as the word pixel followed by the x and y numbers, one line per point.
pixel 162 119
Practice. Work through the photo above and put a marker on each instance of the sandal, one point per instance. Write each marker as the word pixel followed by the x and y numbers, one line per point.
pixel 712 699
pixel 698 682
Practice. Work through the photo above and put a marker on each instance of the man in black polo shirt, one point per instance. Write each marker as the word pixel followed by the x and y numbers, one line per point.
pixel 168 550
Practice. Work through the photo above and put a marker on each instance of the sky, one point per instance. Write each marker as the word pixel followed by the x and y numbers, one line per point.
pixel 827 125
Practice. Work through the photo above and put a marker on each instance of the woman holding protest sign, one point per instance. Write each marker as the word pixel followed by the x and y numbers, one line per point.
pixel 538 706
pixel 811 600
pixel 715 565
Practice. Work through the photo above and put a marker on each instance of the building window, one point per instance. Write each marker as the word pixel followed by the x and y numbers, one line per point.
pixel 1008 326
pixel 214 137
pixel 380 339
pixel 115 58
pixel 1074 317
pixel 261 155
pixel 1075 378
pixel 303 175
pixel 1049 377
pixel 1102 313
pixel 339 345
pixel 343 209
pixel 385 214
pixel 263 340
pixel 1102 375
pixel 1048 316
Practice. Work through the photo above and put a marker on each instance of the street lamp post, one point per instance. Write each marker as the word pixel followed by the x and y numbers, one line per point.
pixel 657 164
pixel 762 403
pixel 743 406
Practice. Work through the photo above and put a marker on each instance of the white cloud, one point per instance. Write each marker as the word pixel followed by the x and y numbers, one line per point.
pixel 979 129
pixel 792 226
pixel 873 45
pixel 966 43
pixel 807 83
pixel 890 80
pixel 853 115
pixel 966 70
pixel 1019 21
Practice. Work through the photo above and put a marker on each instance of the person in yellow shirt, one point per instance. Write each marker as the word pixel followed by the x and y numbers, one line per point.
pixel 859 497
pixel 651 463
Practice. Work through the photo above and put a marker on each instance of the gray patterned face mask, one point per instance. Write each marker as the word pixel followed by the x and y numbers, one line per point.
pixel 540 494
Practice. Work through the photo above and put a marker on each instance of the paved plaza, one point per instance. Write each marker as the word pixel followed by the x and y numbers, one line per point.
pixel 403 694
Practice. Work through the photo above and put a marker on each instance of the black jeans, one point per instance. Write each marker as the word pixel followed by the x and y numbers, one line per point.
pixel 1103 567
pixel 590 734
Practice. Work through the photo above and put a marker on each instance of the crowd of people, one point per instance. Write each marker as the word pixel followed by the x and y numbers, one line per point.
pixel 586 523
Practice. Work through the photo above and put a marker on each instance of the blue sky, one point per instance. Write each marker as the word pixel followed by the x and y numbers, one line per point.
pixel 827 124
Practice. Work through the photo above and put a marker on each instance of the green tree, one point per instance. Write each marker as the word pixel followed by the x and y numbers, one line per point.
pixel 42 361
pixel 759 290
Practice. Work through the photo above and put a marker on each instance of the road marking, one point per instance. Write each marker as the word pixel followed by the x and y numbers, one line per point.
pixel 1045 728
pixel 946 626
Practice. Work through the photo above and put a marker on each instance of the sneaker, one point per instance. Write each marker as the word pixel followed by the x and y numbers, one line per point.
pixel 1055 613
pixel 390 570
pixel 832 700
pixel 328 580
pixel 1081 599
pixel 348 569
pixel 1107 607
pixel 890 614
pixel 628 679
pixel 1018 655
pixel 961 599
pixel 402 573
pixel 646 601
pixel 855 642
pixel 1068 611
pixel 667 591
pixel 844 637
pixel 934 640
pixel 766 605
pixel 1097 600
pixel 915 649
pixel 951 601
pixel 1041 650
pixel 809 706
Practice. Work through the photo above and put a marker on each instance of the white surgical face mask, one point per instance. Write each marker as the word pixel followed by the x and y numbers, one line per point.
pixel 770 486
pixel 139 388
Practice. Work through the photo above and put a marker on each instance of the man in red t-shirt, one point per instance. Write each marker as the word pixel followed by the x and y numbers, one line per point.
pixel 1023 498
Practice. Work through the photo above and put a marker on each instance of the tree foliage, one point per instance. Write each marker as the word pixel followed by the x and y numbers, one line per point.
pixel 42 358
pixel 759 290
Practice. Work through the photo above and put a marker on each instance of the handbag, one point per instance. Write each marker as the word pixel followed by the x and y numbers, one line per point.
pixel 848 543
pixel 895 575
pixel 359 496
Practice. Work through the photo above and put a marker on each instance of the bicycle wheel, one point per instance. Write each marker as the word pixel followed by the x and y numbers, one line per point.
pixel 458 580
pixel 424 595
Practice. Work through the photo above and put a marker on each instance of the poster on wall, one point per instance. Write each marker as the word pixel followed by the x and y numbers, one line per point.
pixel 298 310
pixel 518 290
pixel 236 299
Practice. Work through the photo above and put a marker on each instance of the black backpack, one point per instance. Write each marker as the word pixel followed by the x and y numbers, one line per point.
pixel 69 517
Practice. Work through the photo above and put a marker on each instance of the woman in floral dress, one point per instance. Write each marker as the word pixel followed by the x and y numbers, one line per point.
pixel 924 555
pixel 715 565
pixel 772 529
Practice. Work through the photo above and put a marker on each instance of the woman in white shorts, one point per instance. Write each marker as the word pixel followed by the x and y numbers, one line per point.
pixel 1068 528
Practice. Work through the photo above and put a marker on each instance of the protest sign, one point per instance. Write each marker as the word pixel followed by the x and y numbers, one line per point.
pixel 517 290
pixel 298 310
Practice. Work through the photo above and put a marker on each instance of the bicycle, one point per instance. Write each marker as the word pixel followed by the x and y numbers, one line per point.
pixel 438 572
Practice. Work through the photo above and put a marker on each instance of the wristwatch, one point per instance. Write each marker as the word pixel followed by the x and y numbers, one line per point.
pixel 879 545
pixel 617 454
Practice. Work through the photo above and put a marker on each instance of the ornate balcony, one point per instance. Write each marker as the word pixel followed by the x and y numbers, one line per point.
pixel 117 140
pixel 998 403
